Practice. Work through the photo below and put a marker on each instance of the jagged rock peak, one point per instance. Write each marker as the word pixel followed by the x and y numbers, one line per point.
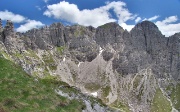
pixel 108 33
pixel 177 35
pixel 0 22
pixel 146 25
pixel 56 25
pixel 9 26
pixel 146 28
pixel 0 25
pixel 110 25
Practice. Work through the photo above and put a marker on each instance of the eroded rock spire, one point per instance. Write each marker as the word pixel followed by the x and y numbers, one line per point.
pixel 9 25
pixel 9 28
pixel 1 28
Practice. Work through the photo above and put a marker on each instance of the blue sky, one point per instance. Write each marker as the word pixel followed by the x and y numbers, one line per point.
pixel 28 14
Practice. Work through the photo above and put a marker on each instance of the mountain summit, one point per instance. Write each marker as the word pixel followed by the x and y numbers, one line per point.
pixel 135 71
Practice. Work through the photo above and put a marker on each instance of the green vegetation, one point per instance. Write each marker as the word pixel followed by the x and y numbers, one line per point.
pixel 5 55
pixel 94 100
pixel 160 103
pixel 137 81
pixel 60 50
pixel 31 53
pixel 49 61
pixel 92 87
pixel 47 58
pixel 106 26
pixel 121 106
pixel 105 93
pixel 20 92
pixel 79 32
pixel 175 96
pixel 140 92
pixel 18 55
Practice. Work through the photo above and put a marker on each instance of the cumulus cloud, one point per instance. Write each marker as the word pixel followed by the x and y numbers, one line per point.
pixel 137 19
pixel 27 24
pixel 95 17
pixel 16 18
pixel 170 19
pixel 121 11
pixel 168 26
pixel 30 24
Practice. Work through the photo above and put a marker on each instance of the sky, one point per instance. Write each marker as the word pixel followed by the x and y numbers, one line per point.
pixel 29 14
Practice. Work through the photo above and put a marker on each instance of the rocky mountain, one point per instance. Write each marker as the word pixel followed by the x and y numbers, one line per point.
pixel 136 71
pixel 23 93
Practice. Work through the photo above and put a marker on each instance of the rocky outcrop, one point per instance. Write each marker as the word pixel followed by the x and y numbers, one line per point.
pixel 162 50
pixel 79 40
pixel 9 28
pixel 173 55
pixel 109 33
pixel 122 68
pixel 8 34
pixel 1 27
pixel 47 36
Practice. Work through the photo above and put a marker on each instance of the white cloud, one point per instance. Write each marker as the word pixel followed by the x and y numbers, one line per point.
pixel 168 27
pixel 127 27
pixel 38 7
pixel 137 19
pixel 16 18
pixel 152 18
pixel 94 17
pixel 29 25
pixel 121 11
pixel 170 19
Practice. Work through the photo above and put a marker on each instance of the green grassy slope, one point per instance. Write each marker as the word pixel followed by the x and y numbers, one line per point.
pixel 160 103
pixel 22 93
pixel 175 96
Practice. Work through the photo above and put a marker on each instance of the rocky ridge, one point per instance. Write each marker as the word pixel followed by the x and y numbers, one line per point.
pixel 125 69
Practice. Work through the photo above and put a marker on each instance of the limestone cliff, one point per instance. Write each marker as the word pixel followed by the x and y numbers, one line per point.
pixel 127 70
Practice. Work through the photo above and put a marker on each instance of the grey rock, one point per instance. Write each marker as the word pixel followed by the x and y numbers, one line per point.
pixel 8 34
pixel 147 36
pixel 162 50
pixel 80 42
pixel 107 55
pixel 131 64
pixel 1 27
pixel 47 36
pixel 9 28
pixel 108 34
pixel 78 39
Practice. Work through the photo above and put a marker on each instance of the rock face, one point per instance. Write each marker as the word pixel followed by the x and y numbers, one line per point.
pixel 125 69
pixel 47 36
pixel 148 38
pixel 109 33
pixel 1 28
pixel 1 31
